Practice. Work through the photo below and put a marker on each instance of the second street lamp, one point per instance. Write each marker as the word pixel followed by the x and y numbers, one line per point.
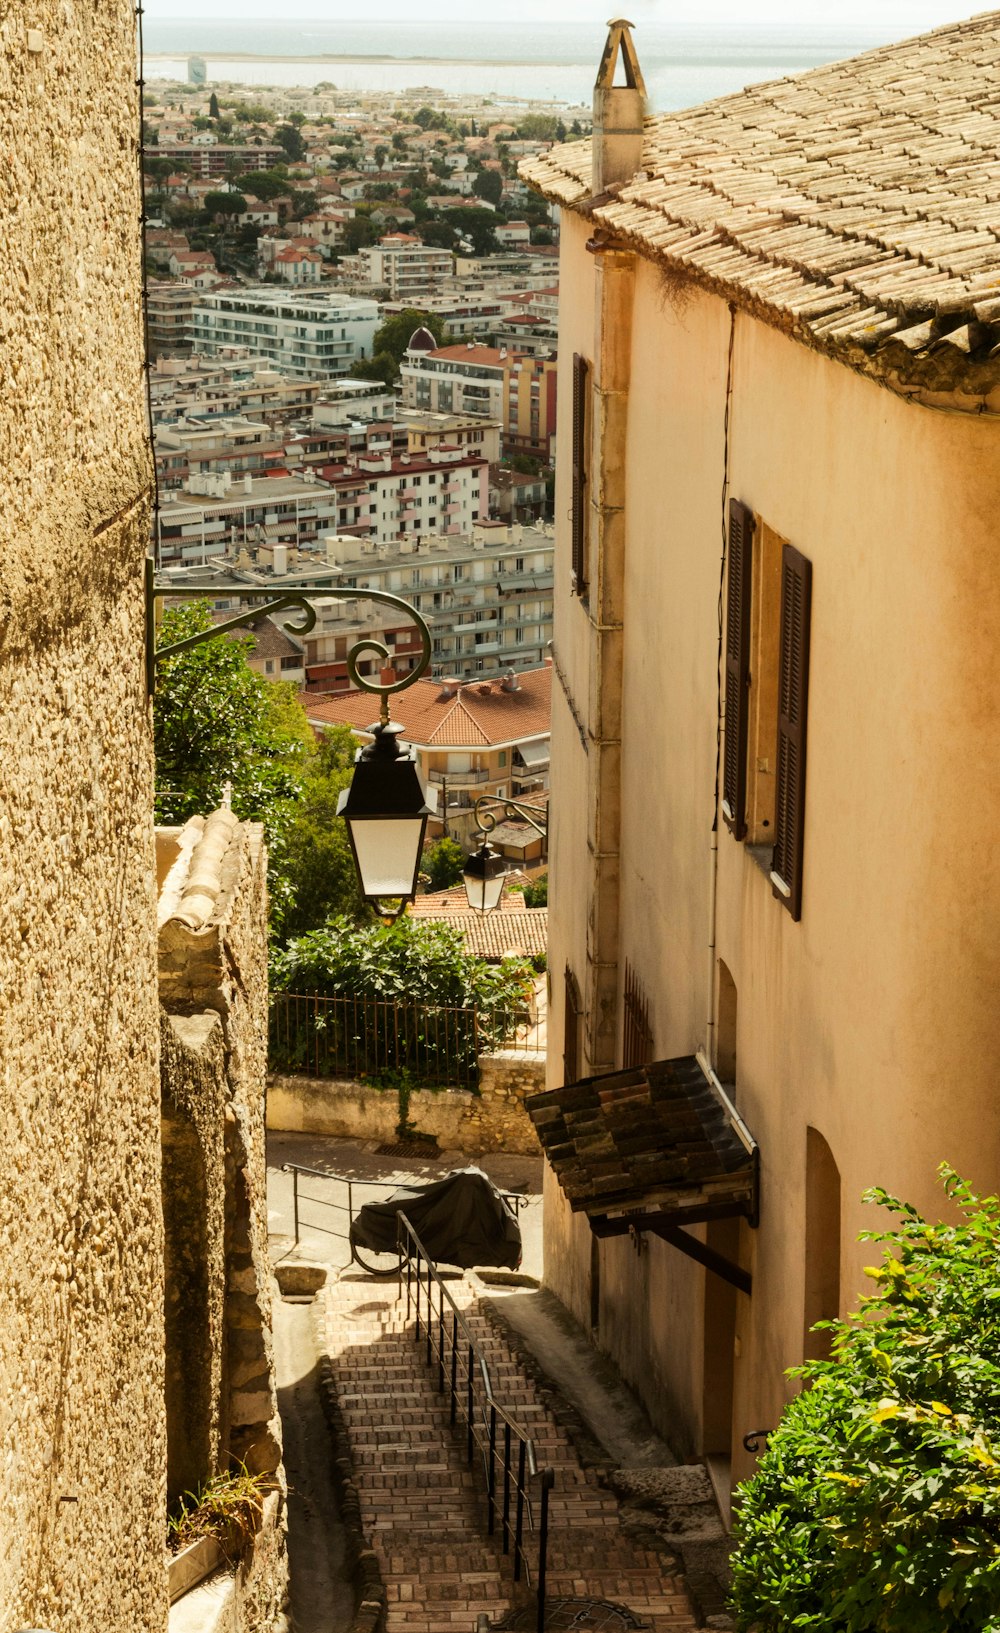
pixel 484 871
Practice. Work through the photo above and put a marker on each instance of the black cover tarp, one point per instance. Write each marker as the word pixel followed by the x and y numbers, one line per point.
pixel 461 1220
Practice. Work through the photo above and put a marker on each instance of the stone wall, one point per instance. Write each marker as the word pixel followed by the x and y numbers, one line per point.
pixel 493 1120
pixel 213 984
pixel 81 1312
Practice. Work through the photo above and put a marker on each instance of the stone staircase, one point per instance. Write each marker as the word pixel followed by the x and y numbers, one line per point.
pixel 423 1506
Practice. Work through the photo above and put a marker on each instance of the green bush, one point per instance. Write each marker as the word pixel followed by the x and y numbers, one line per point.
pixel 443 864
pixel 877 1503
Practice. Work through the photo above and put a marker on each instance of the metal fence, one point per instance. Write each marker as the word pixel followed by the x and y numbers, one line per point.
pixel 387 1041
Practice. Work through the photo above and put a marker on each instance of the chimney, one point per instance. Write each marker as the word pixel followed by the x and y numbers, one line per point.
pixel 618 111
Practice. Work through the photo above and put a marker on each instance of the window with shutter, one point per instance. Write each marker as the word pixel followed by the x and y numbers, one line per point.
pixel 581 376
pixel 793 698
pixel 734 764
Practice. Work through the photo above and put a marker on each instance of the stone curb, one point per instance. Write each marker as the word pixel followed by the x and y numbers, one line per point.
pixel 703 1591
pixel 369 1588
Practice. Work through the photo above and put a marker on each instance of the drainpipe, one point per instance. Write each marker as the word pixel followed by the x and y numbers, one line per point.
pixel 617 154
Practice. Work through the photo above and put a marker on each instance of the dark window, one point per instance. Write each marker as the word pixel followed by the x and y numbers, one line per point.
pixel 734 764
pixel 793 700
pixel 581 377
pixel 571 1030
pixel 637 1040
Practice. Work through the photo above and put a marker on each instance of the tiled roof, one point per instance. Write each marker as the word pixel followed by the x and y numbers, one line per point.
pixel 446 904
pixel 499 935
pixel 856 206
pixel 480 715
pixel 484 355
pixel 658 1137
pixel 269 641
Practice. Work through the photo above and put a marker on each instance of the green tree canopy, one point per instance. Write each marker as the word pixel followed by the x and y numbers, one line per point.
pixel 265 184
pixel 876 1507
pixel 216 721
pixel 318 864
pixel 489 185
pixel 289 137
pixel 477 225
pixel 225 203
pixel 393 337
pixel 443 864
pixel 213 106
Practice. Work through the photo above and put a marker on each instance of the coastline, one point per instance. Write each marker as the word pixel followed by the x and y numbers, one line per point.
pixel 357 60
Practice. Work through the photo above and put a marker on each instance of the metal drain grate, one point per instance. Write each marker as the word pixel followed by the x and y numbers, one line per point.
pixel 580 1615
pixel 407 1148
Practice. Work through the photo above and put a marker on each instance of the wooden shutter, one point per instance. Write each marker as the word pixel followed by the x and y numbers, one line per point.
pixel 793 701
pixel 571 1030
pixel 581 374
pixel 734 764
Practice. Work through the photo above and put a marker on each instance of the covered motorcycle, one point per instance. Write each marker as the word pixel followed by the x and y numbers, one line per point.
pixel 462 1220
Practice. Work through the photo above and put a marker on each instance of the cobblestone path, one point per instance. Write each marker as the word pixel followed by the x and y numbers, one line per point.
pixel 422 1505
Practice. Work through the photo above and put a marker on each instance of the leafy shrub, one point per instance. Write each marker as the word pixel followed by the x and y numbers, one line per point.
pixel 877 1504
pixel 452 1005
pixel 443 863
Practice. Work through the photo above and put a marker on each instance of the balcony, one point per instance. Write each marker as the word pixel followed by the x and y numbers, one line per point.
pixel 459 779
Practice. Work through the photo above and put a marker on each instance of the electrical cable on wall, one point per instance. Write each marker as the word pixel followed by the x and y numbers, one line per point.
pixel 146 366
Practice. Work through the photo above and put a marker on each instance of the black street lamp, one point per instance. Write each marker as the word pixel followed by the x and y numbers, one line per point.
pixel 385 807
pixel 484 871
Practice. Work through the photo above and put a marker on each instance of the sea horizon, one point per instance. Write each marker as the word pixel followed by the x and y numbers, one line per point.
pixel 682 65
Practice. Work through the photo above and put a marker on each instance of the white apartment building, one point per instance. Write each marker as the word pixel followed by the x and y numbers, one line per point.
pixel 350 400
pixel 302 334
pixel 409 269
pixel 465 379
pixel 263 520
pixel 485 596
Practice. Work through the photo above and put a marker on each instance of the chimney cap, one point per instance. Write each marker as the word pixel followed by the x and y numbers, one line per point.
pixel 620 39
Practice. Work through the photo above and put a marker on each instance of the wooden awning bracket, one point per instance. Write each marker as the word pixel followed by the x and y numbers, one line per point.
pixel 657 1225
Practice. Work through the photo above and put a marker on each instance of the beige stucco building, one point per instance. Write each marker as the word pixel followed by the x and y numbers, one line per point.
pixel 83 1408
pixel 778 330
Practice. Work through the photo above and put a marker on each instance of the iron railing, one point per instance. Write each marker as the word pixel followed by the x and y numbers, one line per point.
pixel 388 1041
pixel 510 1468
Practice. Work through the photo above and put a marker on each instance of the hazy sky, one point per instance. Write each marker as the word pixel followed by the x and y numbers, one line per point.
pixel 889 17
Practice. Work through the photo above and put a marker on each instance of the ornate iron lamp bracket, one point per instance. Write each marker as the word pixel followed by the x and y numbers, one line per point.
pixel 486 821
pixel 273 599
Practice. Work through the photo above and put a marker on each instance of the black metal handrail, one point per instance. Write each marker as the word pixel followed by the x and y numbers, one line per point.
pixel 488 1424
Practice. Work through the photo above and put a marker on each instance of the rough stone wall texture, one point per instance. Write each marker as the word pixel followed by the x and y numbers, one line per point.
pixel 81 1314
pixel 492 1120
pixel 221 968
pixel 193 1075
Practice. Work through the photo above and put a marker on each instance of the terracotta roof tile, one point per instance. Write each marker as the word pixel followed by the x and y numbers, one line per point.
pixel 658 1136
pixel 499 935
pixel 850 206
pixel 481 714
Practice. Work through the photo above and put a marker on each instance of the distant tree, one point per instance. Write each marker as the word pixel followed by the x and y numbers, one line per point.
pixel 489 185
pixel 476 225
pixel 290 138
pixel 443 864
pixel 424 117
pixel 297 120
pixel 438 234
pixel 265 184
pixel 225 204
pixel 537 894
pixel 213 106
pixel 576 129
pixel 393 337
pixel 441 170
pixel 380 367
pixel 201 121
pixel 538 127
pixel 304 203
pixel 398 142
pixel 560 131
pixel 358 233
pixel 381 154
pixel 541 235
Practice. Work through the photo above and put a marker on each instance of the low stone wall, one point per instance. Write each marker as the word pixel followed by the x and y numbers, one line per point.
pixel 492 1120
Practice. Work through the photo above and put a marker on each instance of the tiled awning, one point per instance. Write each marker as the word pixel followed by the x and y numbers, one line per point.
pixel 661 1142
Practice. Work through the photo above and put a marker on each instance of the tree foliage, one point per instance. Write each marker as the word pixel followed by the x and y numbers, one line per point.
pixel 216 721
pixel 443 864
pixel 425 963
pixel 489 185
pixel 318 864
pixel 876 1508
pixel 225 203
pixel 290 138
pixel 392 339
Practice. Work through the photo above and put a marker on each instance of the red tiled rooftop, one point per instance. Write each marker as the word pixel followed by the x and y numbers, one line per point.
pixel 480 715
